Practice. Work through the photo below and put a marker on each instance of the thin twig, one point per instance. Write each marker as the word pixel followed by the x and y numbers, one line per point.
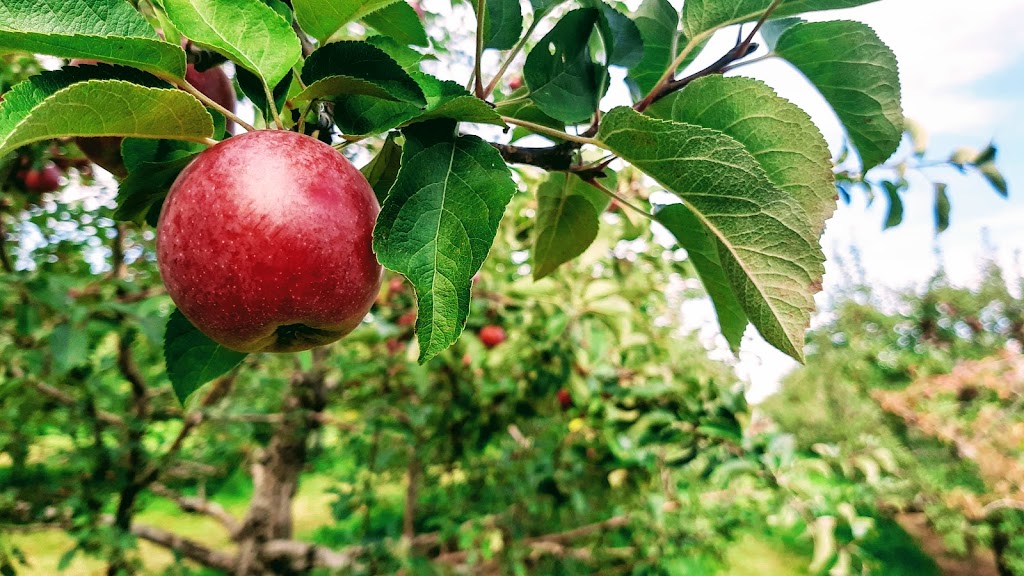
pixel 510 57
pixel 184 85
pixel 615 196
pixel 541 129
pixel 273 106
pixel 196 505
pixel 481 7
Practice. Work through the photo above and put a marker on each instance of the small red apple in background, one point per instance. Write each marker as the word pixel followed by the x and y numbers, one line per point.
pixel 515 82
pixel 564 399
pixel 492 336
pixel 394 346
pixel 215 85
pixel 45 179
pixel 264 243
pixel 396 284
pixel 105 151
pixel 407 319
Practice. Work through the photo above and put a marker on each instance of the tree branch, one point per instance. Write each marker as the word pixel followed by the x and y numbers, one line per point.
pixel 302 557
pixel 188 548
pixel 559 158
pixel 411 493
pixel 719 66
pixel 196 505
pixel 217 392
pixel 68 400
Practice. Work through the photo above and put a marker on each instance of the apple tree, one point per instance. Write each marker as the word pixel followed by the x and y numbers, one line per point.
pixel 135 327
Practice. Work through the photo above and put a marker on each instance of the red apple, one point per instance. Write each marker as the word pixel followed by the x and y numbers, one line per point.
pixel 564 399
pixel 394 346
pixel 515 82
pixel 105 151
pixel 45 179
pixel 215 85
pixel 264 243
pixel 491 336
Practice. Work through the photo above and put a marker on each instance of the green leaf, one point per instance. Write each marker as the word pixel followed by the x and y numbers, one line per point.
pixel 282 9
pixel 70 347
pixel 192 358
pixel 503 24
pixel 657 21
pixel 366 115
pixel 858 76
pixel 541 7
pixel 568 216
pixel 141 195
pixel 526 109
pixel 702 250
pixel 438 223
pixel 987 155
pixel 406 57
pixel 351 67
pixel 400 22
pixel 773 29
pixel 139 151
pixel 105 30
pixel 562 78
pixel 995 178
pixel 764 237
pixel 781 136
pixel 322 18
pixel 895 215
pixel 942 207
pixel 248 32
pixel 253 89
pixel 621 36
pixel 66 559
pixel 77 101
pixel 382 171
pixel 704 16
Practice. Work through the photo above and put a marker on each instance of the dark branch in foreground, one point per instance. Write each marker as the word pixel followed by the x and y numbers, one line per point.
pixel 559 158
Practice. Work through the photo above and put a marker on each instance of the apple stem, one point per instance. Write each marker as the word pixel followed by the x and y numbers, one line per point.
pixel 206 100
pixel 211 141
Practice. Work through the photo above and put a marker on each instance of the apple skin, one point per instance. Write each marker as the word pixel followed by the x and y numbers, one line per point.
pixel 215 85
pixel 492 336
pixel 515 83
pixel 45 179
pixel 265 243
pixel 105 151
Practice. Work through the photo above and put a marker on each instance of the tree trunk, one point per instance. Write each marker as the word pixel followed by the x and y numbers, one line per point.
pixel 276 474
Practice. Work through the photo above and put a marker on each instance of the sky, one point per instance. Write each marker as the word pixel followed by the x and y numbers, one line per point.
pixel 962 75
